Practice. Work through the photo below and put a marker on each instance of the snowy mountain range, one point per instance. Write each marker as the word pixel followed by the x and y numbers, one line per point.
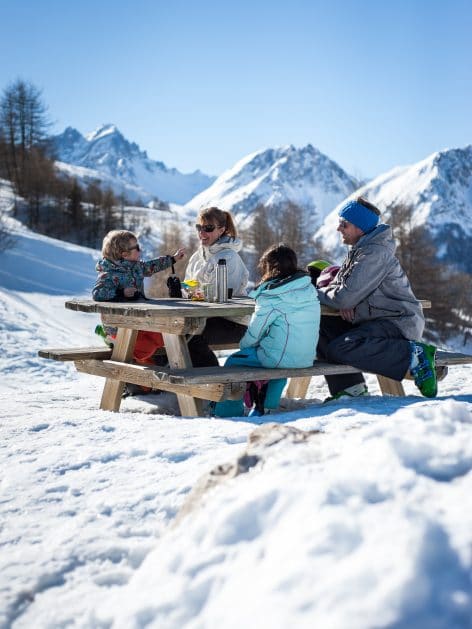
pixel 106 155
pixel 438 188
pixel 277 176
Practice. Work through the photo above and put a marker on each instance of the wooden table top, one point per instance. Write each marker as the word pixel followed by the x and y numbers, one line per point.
pixel 169 307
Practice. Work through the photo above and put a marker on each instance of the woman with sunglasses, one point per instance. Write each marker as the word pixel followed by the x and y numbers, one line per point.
pixel 218 239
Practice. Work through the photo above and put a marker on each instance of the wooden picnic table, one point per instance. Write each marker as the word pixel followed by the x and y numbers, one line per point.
pixel 174 319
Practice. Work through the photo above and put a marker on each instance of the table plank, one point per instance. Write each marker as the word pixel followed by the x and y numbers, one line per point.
pixel 171 325
pixel 236 307
pixel 144 375
pixel 168 308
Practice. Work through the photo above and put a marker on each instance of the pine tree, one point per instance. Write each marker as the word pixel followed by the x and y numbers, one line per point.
pixel 444 286
pixel 262 233
pixel 74 206
pixel 23 126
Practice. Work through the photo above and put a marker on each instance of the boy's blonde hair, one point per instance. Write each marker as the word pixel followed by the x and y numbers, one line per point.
pixel 115 242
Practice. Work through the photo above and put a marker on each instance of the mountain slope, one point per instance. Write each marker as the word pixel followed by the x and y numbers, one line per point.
pixel 438 188
pixel 109 156
pixel 277 176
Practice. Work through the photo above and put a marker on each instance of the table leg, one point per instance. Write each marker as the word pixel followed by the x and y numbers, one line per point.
pixel 298 387
pixel 122 352
pixel 390 387
pixel 179 358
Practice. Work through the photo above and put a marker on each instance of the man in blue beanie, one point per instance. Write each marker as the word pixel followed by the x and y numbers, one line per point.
pixel 381 319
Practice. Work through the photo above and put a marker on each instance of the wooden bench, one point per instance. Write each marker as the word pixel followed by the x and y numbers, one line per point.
pixel 77 353
pixel 220 383
pixel 102 353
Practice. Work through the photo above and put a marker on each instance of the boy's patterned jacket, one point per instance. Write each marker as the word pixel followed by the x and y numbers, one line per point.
pixel 114 276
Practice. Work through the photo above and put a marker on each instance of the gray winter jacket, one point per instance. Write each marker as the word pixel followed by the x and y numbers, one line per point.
pixel 372 282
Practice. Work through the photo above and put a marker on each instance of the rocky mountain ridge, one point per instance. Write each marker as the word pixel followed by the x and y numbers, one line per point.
pixel 109 157
pixel 275 177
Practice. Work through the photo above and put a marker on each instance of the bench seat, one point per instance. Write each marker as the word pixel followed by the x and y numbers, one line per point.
pixel 219 383
pixel 202 375
pixel 222 381
pixel 76 353
pixel 102 352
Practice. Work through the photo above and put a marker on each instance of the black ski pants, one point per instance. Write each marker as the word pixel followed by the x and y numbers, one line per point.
pixel 217 330
pixel 376 346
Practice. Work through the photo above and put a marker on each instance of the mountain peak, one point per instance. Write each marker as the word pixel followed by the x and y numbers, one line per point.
pixel 123 166
pixel 102 131
pixel 277 176
pixel 437 188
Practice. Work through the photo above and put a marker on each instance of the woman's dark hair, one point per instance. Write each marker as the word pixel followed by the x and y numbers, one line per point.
pixel 277 261
pixel 221 217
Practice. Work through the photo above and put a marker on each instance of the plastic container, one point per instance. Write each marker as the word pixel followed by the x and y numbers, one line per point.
pixel 209 292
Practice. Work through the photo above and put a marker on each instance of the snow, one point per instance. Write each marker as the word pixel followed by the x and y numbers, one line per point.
pixel 102 131
pixel 367 524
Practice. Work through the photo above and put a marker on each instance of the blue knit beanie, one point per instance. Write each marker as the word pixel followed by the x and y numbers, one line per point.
pixel 359 215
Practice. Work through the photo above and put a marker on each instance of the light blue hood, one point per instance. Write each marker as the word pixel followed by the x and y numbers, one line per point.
pixel 287 312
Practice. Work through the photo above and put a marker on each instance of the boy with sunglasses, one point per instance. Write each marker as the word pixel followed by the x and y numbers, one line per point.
pixel 121 275
pixel 121 272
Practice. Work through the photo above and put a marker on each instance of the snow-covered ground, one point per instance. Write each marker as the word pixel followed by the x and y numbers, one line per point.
pixel 368 524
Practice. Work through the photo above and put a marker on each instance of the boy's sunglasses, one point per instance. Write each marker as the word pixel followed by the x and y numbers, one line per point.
pixel 205 228
pixel 137 247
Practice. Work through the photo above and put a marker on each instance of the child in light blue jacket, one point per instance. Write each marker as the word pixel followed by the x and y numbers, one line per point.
pixel 283 331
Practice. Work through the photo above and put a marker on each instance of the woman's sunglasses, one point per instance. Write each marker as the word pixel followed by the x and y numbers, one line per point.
pixel 205 228
pixel 137 247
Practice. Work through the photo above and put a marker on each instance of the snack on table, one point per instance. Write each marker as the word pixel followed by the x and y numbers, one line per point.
pixel 191 290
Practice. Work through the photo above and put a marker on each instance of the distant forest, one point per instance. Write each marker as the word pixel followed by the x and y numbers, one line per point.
pixel 50 202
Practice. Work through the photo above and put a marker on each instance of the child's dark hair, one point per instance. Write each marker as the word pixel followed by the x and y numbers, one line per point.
pixel 277 261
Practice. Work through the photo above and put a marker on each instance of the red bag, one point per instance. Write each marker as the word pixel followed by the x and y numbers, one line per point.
pixel 147 343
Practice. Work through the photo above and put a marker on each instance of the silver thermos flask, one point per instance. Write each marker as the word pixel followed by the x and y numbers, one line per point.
pixel 221 281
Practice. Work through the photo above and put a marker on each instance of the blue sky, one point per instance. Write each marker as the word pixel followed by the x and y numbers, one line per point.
pixel 372 84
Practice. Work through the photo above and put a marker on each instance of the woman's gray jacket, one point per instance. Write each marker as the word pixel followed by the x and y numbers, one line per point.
pixel 372 282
